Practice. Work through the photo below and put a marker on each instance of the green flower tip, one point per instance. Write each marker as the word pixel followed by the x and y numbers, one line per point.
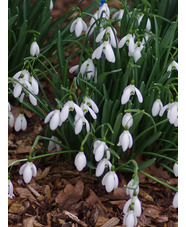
pixel 58 107
pixel 130 32
pixel 176 99
pixel 133 176
pixel 70 98
pixel 126 128
pixel 134 193
pixel 8 177
pixel 29 159
pixel 81 149
pixel 21 111
pixel 132 82
pixel 34 40
pixel 22 75
pixel 113 168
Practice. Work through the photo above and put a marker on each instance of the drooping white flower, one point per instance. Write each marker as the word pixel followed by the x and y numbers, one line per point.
pixel 80 161
pixel 101 166
pixel 136 206
pixel 156 107
pixel 125 140
pixel 118 15
pixel 74 69
pixel 173 66
pixel 175 200
pixel 86 109
pixel 78 26
pixel 137 51
pixel 130 219
pixel 132 184
pixel 20 74
pixel 20 122
pixel 35 86
pixel 32 99
pixel 106 48
pixel 127 120
pixel 99 149
pixel 34 49
pixel 51 4
pixel 79 122
pixel 111 35
pixel 148 25
pixel 104 11
pixel 175 169
pixel 92 24
pixel 53 145
pixel 70 106
pixel 54 118
pixel 129 40
pixel 92 104
pixel 88 68
pixel 28 170
pixel 10 189
pixel 110 181
pixel 10 116
pixel 131 90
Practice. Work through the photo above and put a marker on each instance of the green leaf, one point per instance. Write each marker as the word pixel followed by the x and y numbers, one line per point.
pixel 146 164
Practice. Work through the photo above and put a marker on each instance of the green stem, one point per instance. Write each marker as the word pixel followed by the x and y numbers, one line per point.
pixel 159 155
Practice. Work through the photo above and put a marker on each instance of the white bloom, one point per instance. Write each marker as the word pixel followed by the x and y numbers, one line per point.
pixel 22 73
pixel 80 161
pixel 132 184
pixel 88 68
pixel 136 206
pixel 34 49
pixel 175 169
pixel 110 181
pixel 175 200
pixel 101 166
pixel 106 48
pixel 20 123
pixel 86 109
pixel 32 99
pixel 118 15
pixel 111 33
pixel 173 66
pixel 130 219
pixel 10 116
pixel 99 149
pixel 70 106
pixel 28 170
pixel 91 27
pixel 127 120
pixel 78 25
pixel 92 104
pixel 104 11
pixel 137 50
pixel 10 189
pixel 131 90
pixel 54 118
pixel 129 40
pixel 35 86
pixel 148 25
pixel 53 145
pixel 156 108
pixel 74 69
pixel 79 122
pixel 51 5
pixel 125 140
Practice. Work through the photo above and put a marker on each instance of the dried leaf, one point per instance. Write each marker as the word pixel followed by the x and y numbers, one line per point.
pixel 25 193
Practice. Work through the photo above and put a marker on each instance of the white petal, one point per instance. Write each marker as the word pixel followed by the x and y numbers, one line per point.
pixel 125 141
pixel 137 55
pixel 17 90
pixel 64 113
pixel 122 42
pixel 175 200
pixel 173 114
pixel 97 53
pixel 100 36
pixel 109 53
pixel 94 106
pixel 175 169
pixel 32 99
pixel 139 95
pixel 116 180
pixel 34 169
pixel 94 116
pixel 99 152
pixel 126 206
pixel 49 115
pixel 157 105
pixel 54 122
pixel 21 170
pixel 109 186
pixel 163 110
pixel 87 125
pixel 74 69
pixel 101 167
pixel 18 123
pixel 78 110
pixel 51 5
pixel 35 85
pixel 80 161
pixel 23 123
pixel 27 173
pixel 126 95
pixel 137 206
pixel 79 27
pixel 78 126
pixel 127 120
pixel 72 27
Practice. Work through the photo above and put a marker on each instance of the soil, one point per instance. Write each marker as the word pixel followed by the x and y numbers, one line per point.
pixel 61 196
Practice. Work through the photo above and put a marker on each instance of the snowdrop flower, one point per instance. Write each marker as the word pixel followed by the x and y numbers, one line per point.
pixel 10 116
pixel 104 11
pixel 18 88
pixel 92 104
pixel 32 99
pixel 88 68
pixel 129 40
pixel 10 189
pixel 78 25
pixel 137 51
pixel 51 5
pixel 80 161
pixel 34 48
pixel 20 122
pixel 132 184
pixel 53 145
pixel 20 74
pixel 127 120
pixel 118 15
pixel 86 109
pixel 101 166
pixel 99 149
pixel 79 122
pixel 28 170
pixel 135 202
pixel 74 69
pixel 173 66
pixel 110 33
pixel 110 181
pixel 92 24
pixel 125 140
pixel 156 108
pixel 54 118
pixel 175 200
pixel 175 169
pixel 70 106
pixel 34 84
pixel 130 219
pixel 172 113
pixel 106 48
pixel 131 90
pixel 148 25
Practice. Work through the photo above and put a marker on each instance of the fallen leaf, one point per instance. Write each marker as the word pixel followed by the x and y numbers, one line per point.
pixel 25 193
pixel 146 196
pixel 31 222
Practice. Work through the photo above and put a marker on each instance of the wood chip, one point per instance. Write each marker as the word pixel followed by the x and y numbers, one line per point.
pixel 33 190
pixel 112 222
pixel 74 218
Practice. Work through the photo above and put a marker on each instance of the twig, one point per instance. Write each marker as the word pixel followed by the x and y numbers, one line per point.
pixel 74 218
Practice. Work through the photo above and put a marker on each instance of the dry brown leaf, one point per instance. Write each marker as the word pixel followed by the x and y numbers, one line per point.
pixel 17 208
pixel 101 221
pixel 31 222
pixel 43 174
pixel 25 193
pixel 152 213
pixel 146 196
